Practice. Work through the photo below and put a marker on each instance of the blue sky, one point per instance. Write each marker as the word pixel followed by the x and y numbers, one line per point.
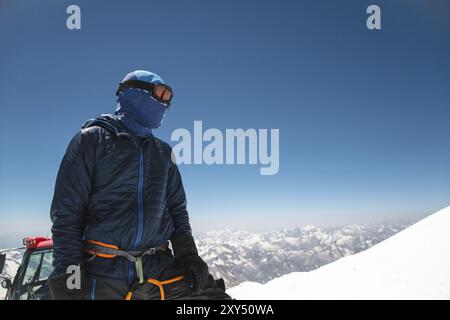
pixel 363 115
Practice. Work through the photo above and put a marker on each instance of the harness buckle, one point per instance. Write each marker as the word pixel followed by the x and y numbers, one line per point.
pixel 139 269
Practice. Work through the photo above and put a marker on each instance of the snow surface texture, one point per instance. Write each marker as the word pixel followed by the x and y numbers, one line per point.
pixel 413 264
pixel 239 256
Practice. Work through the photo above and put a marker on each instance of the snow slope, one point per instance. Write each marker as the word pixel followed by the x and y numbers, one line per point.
pixel 413 264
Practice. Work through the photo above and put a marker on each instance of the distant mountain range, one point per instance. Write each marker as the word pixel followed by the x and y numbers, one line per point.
pixel 239 256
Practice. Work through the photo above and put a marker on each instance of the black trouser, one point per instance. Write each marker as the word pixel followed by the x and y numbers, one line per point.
pixel 168 286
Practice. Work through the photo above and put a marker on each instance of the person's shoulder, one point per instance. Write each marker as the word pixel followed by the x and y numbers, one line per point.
pixel 91 131
pixel 105 124
pixel 93 135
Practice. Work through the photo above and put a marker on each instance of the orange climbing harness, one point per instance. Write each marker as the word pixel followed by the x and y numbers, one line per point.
pixel 110 251
pixel 158 283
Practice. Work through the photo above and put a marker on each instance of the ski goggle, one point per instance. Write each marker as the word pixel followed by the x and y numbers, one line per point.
pixel 160 91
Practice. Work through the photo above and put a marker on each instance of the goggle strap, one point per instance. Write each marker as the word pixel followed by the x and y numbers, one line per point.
pixel 138 84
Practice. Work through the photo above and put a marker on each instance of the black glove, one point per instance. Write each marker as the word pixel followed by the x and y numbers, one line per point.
pixel 188 260
pixel 59 290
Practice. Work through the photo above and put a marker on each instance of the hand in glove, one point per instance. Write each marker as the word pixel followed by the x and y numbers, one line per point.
pixel 59 289
pixel 188 260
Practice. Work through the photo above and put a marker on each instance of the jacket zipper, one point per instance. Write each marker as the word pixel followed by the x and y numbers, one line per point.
pixel 138 238
pixel 140 203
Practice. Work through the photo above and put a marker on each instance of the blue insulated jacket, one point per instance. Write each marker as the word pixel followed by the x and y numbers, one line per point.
pixel 120 189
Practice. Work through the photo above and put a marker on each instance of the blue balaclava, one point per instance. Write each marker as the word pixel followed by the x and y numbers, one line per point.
pixel 137 109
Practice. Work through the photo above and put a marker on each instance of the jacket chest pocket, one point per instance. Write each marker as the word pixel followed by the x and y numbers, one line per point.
pixel 116 168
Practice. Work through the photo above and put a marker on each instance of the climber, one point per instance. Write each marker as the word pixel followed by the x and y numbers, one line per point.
pixel 118 203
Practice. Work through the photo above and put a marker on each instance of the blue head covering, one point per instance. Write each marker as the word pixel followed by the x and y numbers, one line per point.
pixel 137 109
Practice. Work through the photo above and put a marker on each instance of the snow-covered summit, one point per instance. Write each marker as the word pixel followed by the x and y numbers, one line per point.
pixel 413 264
